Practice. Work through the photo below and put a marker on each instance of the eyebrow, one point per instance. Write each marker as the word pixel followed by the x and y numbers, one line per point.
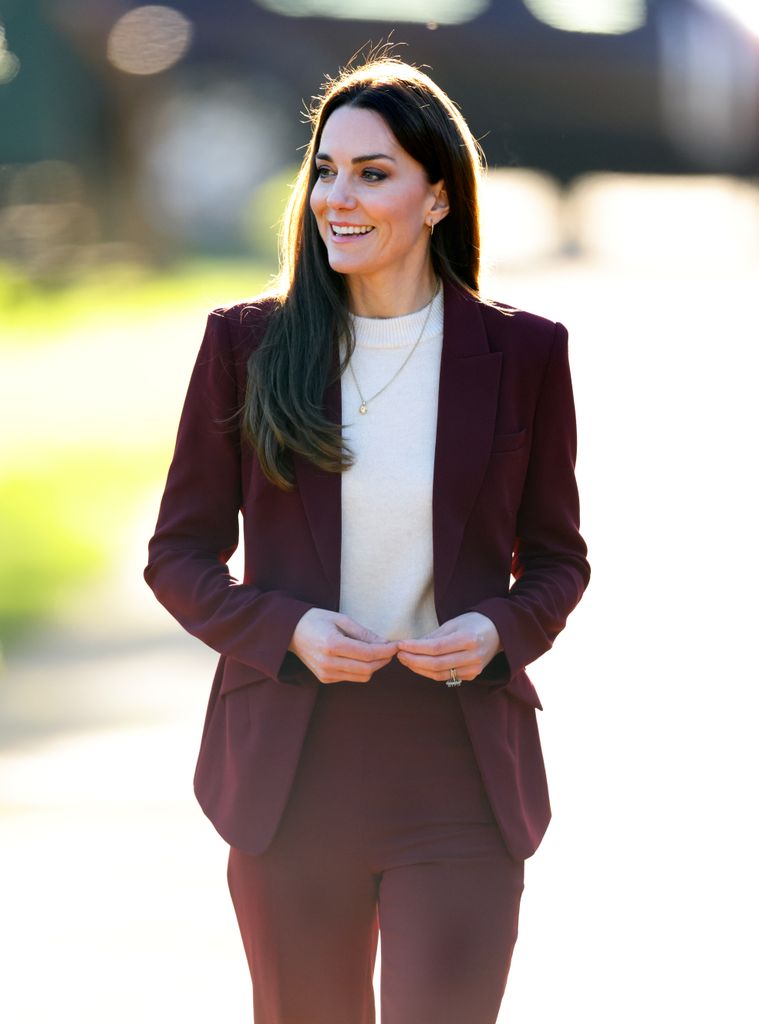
pixel 358 159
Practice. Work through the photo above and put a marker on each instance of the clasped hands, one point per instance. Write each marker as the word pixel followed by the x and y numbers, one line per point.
pixel 336 648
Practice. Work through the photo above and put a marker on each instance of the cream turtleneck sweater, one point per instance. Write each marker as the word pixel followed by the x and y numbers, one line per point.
pixel 386 554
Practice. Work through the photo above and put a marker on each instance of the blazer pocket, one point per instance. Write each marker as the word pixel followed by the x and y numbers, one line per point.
pixel 509 442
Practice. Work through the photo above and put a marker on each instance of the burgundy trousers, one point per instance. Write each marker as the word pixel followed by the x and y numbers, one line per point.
pixel 387 828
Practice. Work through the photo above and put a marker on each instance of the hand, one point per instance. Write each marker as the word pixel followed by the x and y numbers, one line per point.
pixel 466 643
pixel 337 648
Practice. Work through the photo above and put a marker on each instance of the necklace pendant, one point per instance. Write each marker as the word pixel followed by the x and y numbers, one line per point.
pixel 363 408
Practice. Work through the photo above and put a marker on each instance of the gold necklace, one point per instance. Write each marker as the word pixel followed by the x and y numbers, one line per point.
pixel 364 407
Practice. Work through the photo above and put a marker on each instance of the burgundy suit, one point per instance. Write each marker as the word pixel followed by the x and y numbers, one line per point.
pixel 504 502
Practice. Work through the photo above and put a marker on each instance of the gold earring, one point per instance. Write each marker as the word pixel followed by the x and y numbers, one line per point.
pixel 432 227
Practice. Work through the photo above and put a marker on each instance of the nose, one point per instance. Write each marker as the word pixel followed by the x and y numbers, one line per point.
pixel 339 196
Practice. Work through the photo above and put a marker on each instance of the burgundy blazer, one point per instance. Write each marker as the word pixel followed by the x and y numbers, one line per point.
pixel 504 502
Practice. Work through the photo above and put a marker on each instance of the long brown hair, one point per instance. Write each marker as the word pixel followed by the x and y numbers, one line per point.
pixel 296 360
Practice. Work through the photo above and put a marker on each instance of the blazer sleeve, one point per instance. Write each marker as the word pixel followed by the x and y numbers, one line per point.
pixel 549 564
pixel 197 528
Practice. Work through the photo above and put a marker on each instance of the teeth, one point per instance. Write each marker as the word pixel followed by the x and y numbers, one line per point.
pixel 351 230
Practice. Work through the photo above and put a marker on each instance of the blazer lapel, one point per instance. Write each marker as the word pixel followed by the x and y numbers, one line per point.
pixel 467 405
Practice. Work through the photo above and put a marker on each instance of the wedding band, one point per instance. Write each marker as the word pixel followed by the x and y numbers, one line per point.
pixel 454 680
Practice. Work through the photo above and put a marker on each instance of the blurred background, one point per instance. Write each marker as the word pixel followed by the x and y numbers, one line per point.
pixel 145 157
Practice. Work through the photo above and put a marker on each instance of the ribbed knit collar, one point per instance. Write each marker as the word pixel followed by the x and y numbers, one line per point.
pixel 398 331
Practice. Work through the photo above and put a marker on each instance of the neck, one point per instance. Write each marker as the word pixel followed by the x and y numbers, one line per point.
pixel 388 298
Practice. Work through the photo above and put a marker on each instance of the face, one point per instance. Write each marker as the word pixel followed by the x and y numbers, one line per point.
pixel 372 201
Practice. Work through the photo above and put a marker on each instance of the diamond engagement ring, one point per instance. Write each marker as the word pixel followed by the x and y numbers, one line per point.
pixel 454 680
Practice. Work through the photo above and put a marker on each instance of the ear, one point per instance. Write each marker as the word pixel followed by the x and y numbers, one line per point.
pixel 441 206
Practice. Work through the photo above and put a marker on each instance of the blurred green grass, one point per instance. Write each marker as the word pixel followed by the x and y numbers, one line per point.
pixel 62 526
pixel 31 309
pixel 64 514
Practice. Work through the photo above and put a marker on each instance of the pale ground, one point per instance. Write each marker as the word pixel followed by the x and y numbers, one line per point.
pixel 641 905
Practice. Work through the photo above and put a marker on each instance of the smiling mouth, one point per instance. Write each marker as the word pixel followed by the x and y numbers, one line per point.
pixel 340 231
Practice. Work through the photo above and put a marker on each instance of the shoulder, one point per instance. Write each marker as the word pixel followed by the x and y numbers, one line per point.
pixel 239 327
pixel 250 314
pixel 511 328
pixel 529 343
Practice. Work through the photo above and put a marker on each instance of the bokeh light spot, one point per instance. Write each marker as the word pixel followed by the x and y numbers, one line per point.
pixel 675 224
pixel 149 39
pixel 429 12
pixel 9 62
pixel 606 17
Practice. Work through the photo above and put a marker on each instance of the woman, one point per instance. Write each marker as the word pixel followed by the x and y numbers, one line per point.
pixel 397 446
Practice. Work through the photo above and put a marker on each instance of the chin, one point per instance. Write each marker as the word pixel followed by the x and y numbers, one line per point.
pixel 343 266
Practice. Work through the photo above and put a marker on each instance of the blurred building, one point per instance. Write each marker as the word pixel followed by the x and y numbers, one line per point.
pixel 130 130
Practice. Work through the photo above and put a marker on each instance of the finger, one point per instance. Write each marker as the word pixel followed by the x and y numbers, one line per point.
pixel 345 670
pixel 452 644
pixel 345 647
pixel 443 676
pixel 349 627
pixel 437 667
pixel 446 629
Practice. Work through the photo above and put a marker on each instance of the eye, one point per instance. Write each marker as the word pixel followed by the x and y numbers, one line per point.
pixel 372 175
pixel 323 171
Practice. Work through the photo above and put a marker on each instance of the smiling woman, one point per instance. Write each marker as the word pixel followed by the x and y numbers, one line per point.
pixel 398 446
pixel 398 159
